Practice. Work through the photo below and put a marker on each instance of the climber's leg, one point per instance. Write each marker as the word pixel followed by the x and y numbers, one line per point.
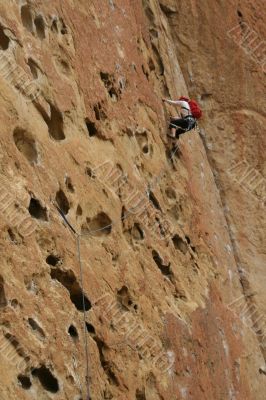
pixel 172 133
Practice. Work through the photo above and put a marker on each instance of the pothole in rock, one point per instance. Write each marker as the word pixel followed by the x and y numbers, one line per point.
pixel 62 201
pixel 55 124
pixel 26 145
pixel 36 328
pixel 40 26
pixel 125 299
pixel 180 244
pixel 26 17
pixel 3 301
pixel 154 201
pixel 136 232
pixel 4 39
pixel 33 68
pixel 100 114
pixel 72 331
pixel 24 381
pixel 91 128
pixel 48 381
pixel 164 268
pixel 69 281
pixel 100 225
pixel 69 185
pixel 36 210
pixel 53 260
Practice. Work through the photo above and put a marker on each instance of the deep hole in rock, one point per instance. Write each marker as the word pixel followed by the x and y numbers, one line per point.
pixel 113 93
pixel 72 330
pixel 105 77
pixel 54 27
pixel 123 214
pixel 90 328
pixel 124 298
pixel 36 210
pixel 165 269
pixel 46 378
pixel 40 27
pixel 89 171
pixel 91 127
pixel 56 124
pixel 99 113
pixel 62 201
pixel 26 17
pixel 106 365
pixel 180 244
pixel 3 301
pixel 187 239
pixel 15 344
pixel 12 235
pixel 4 40
pixel 26 145
pixel 239 13
pixel 137 232
pixel 101 346
pixel 14 303
pixel 145 149
pixel 24 381
pixel 154 201
pixel 109 83
pixel 52 260
pixel 151 64
pixel 100 225
pixel 36 327
pixel 69 185
pixel 63 29
pixel 33 68
pixel 79 211
pixel 69 281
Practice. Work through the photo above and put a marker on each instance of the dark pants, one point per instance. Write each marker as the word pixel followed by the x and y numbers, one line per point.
pixel 183 125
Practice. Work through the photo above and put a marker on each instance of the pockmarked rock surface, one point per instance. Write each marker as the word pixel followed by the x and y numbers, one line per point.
pixel 171 240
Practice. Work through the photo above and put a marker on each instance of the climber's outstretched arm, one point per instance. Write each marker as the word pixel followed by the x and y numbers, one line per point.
pixel 180 103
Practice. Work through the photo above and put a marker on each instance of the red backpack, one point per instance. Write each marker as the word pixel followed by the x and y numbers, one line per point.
pixel 194 107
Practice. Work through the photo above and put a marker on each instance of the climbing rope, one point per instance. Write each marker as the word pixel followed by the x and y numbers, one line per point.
pixel 84 318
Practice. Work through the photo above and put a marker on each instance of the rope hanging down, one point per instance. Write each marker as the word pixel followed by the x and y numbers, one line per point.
pixel 84 317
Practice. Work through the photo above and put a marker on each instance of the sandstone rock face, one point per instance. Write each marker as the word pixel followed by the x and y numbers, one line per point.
pixel 162 247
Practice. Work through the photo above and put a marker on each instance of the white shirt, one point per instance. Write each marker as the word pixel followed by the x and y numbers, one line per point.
pixel 185 109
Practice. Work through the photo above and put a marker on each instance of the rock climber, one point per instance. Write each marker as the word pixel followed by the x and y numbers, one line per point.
pixel 190 112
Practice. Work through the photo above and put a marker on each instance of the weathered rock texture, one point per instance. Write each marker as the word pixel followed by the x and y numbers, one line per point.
pixel 172 241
